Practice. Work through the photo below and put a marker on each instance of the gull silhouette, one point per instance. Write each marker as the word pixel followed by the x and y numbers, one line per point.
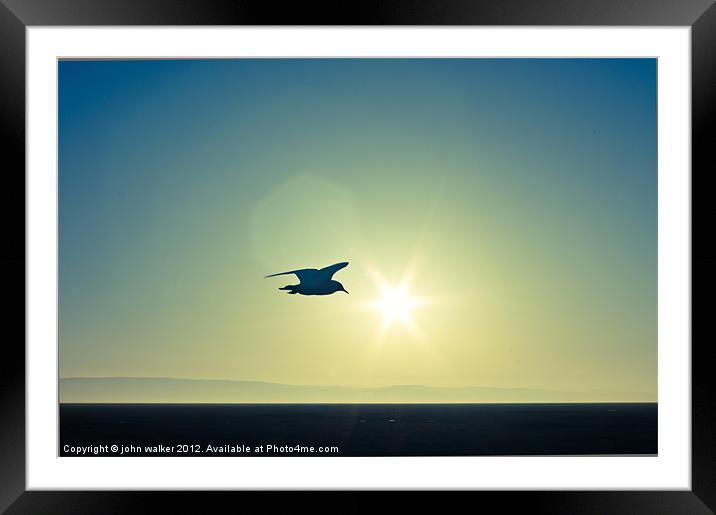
pixel 313 281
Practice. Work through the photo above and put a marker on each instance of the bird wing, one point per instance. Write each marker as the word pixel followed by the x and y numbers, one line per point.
pixel 327 272
pixel 304 275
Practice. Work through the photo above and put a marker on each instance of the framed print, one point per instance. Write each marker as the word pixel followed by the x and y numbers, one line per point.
pixel 412 249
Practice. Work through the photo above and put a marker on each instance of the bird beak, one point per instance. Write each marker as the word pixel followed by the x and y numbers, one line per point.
pixel 345 290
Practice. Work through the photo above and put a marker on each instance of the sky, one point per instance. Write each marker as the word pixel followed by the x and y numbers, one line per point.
pixel 512 202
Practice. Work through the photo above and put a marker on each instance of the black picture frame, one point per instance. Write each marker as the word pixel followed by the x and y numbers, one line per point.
pixel 17 15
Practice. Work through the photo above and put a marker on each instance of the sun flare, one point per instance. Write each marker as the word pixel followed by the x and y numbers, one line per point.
pixel 396 304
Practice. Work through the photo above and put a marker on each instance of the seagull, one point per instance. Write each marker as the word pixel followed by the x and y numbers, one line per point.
pixel 314 281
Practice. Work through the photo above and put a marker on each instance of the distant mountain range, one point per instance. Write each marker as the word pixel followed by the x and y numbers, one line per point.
pixel 168 390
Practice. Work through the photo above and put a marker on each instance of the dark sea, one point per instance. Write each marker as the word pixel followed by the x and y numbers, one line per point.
pixel 357 429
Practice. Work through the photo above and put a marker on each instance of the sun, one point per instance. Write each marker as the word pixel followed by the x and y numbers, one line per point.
pixel 396 303
pixel 397 306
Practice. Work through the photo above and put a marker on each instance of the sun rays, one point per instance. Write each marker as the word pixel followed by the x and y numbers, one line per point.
pixel 397 305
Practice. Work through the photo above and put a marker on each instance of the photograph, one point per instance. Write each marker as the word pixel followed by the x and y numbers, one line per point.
pixel 357 257
pixel 412 246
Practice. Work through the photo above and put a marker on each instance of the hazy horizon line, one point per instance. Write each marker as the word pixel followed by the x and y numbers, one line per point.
pixel 549 390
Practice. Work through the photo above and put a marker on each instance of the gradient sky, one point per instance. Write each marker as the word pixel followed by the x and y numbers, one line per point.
pixel 519 194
